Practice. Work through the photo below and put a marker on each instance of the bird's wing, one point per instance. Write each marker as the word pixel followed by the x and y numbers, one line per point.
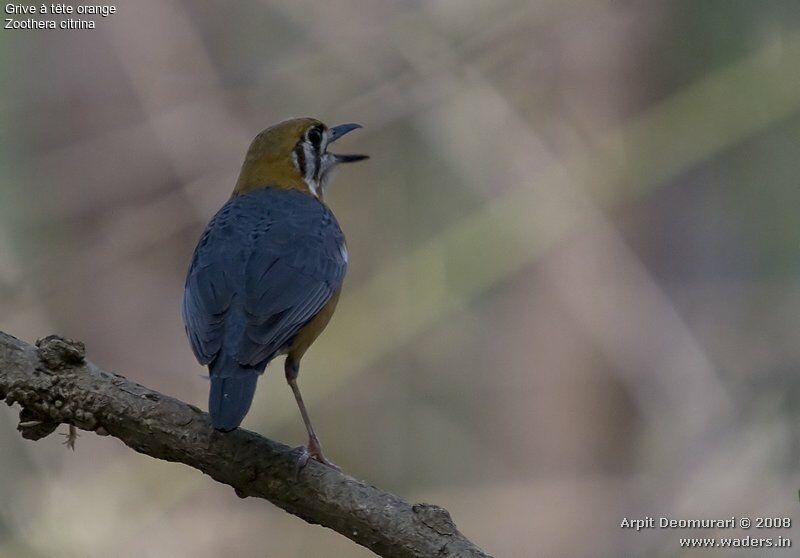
pixel 211 284
pixel 266 264
pixel 297 262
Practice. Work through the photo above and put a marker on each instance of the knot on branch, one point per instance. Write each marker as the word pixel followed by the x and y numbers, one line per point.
pixel 58 353
pixel 49 399
pixel 35 426
pixel 436 518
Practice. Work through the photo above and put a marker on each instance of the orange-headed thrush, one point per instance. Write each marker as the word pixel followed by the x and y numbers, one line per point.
pixel 266 275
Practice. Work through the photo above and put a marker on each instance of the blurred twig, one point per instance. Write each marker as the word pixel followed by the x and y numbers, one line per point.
pixel 54 384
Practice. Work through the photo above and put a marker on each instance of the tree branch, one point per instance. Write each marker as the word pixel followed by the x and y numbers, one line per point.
pixel 54 384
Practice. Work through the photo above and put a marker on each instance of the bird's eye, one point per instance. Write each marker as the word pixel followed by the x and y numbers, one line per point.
pixel 314 136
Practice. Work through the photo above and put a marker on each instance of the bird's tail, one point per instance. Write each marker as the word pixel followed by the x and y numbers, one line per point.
pixel 232 390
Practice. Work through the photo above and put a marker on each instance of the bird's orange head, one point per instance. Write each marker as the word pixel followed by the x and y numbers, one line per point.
pixel 293 155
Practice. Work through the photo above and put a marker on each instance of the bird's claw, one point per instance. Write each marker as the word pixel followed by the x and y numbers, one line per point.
pixel 313 451
pixel 327 462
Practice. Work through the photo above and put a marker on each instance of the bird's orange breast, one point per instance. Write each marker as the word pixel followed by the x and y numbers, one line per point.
pixel 309 333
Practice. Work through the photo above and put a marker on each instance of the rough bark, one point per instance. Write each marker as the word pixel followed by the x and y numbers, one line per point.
pixel 55 384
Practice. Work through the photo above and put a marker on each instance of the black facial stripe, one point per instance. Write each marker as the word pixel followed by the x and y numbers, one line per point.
pixel 314 136
pixel 300 153
pixel 308 154
pixel 317 163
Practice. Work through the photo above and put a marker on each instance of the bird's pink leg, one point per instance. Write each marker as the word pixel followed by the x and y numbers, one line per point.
pixel 314 448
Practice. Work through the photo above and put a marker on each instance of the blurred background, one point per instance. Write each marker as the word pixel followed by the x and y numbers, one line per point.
pixel 573 293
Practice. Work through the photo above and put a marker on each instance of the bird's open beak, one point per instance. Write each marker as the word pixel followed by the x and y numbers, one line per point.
pixel 338 131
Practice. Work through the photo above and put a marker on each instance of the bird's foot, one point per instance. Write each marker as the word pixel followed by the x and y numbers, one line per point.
pixel 314 451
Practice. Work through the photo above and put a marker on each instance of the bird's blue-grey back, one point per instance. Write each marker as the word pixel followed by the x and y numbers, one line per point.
pixel 266 264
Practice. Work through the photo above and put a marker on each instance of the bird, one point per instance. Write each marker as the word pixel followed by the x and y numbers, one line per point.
pixel 266 275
